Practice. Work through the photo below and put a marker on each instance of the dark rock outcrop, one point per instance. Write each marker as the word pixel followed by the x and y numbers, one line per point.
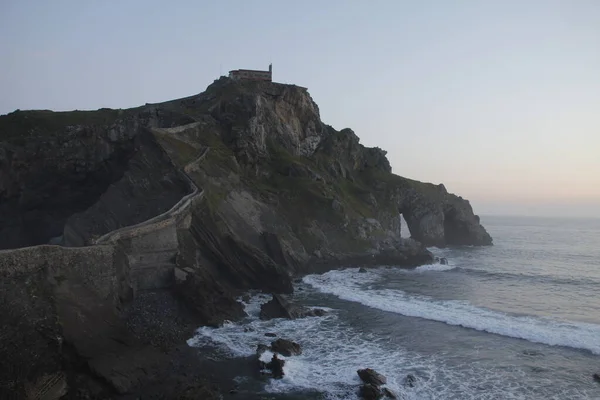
pixel 372 381
pixel 279 307
pixel 387 393
pixel 410 381
pixel 286 347
pixel 370 376
pixel 276 366
pixel 370 392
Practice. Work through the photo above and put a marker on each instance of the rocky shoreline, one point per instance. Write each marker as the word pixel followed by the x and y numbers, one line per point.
pixel 124 230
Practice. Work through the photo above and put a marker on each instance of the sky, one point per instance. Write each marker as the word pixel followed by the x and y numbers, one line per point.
pixel 499 100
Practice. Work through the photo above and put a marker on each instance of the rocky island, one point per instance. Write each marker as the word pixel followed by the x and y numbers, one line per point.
pixel 121 231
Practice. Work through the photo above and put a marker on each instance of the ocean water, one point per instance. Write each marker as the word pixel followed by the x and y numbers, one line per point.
pixel 518 320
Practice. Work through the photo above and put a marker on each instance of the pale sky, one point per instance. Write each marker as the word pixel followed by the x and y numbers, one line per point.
pixel 498 100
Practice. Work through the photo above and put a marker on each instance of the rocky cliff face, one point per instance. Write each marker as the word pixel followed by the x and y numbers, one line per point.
pixel 240 187
pixel 56 165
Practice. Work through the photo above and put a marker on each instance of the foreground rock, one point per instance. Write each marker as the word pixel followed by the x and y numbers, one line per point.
pixel 276 367
pixel 410 381
pixel 370 392
pixel 372 382
pixel 279 307
pixel 370 376
pixel 286 347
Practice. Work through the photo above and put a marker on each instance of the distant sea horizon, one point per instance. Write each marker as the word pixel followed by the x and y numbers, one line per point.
pixel 542 216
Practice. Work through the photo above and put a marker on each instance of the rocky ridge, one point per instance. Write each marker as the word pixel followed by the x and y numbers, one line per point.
pixel 240 187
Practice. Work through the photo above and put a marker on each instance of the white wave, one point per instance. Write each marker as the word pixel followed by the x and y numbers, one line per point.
pixel 252 306
pixel 348 285
pixel 329 360
pixel 434 267
pixel 333 351
pixel 440 251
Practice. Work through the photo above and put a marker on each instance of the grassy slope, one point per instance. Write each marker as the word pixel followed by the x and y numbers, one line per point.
pixel 20 126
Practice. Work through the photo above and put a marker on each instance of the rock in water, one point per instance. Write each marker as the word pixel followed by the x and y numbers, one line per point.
pixel 410 381
pixel 316 312
pixel 260 349
pixel 388 393
pixel 443 261
pixel 597 377
pixel 369 375
pixel 286 347
pixel 279 307
pixel 370 392
pixel 276 367
pixel 362 270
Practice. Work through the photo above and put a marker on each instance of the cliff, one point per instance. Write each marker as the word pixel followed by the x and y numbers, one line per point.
pixel 240 187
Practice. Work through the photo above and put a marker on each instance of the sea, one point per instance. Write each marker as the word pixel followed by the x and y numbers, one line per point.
pixel 516 320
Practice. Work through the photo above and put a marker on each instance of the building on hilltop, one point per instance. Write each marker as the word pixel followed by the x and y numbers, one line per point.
pixel 252 75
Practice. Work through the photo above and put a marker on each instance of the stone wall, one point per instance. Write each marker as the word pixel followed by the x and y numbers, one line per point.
pixel 99 268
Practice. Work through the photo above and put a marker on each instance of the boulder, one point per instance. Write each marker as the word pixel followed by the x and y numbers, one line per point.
pixel 260 349
pixel 315 312
pixel 409 381
pixel 371 376
pixel 370 392
pixel 286 347
pixel 276 367
pixel 444 261
pixel 362 270
pixel 387 393
pixel 279 307
pixel 597 377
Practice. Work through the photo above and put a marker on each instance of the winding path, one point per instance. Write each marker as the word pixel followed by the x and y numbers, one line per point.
pixel 166 217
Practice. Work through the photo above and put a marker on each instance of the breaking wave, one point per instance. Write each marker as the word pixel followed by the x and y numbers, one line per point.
pixel 352 286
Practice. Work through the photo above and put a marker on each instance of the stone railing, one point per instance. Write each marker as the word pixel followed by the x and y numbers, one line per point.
pixel 160 220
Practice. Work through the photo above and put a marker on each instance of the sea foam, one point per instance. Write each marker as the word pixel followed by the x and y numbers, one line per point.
pixel 333 351
pixel 352 286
